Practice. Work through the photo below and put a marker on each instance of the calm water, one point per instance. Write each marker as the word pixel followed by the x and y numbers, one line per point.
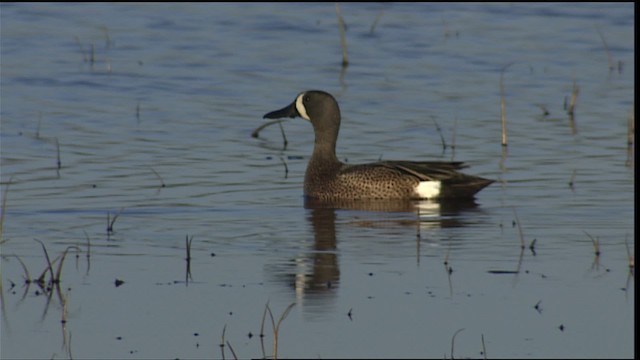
pixel 136 96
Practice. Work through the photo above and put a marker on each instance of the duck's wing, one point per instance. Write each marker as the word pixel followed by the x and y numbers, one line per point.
pixel 426 170
pixel 455 183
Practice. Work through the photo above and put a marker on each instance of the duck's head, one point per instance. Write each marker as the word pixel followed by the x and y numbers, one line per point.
pixel 317 106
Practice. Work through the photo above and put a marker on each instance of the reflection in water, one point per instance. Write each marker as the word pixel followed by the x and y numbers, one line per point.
pixel 315 274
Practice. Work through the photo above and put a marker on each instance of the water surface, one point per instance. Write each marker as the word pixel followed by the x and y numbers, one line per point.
pixel 140 95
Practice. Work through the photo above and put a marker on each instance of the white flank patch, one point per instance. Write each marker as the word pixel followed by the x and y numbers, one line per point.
pixel 300 107
pixel 428 189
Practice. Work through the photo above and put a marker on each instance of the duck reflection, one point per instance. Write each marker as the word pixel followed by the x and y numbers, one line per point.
pixel 315 274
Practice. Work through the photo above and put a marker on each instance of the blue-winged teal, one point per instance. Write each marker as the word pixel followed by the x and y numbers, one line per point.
pixel 327 178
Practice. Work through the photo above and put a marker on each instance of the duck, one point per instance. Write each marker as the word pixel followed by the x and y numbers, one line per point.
pixel 327 178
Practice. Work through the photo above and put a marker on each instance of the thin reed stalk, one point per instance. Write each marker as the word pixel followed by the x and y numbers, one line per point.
pixel 375 23
pixel 484 349
pixel 276 327
pixel 58 162
pixel 286 168
pixel 444 143
pixel 159 177
pixel 110 223
pixel 606 49
pixel 515 213
pixel 503 113
pixel 3 209
pixel 343 41
pixel 596 244
pixel 256 132
pixel 27 276
pixel 453 339
pixel 284 137
pixel 574 98
pixel 49 267
pixel 631 128
pixel 224 329
pixel 232 351
pixel 629 254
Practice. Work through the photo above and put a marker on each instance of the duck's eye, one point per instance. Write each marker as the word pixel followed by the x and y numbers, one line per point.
pixel 307 98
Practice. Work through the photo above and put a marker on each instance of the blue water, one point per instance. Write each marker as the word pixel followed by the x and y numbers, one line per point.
pixel 171 93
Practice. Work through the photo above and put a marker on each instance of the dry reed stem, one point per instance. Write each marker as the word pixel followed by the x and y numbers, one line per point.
pixel 110 223
pixel 27 279
pixel 232 351
pixel 596 244
pixel 264 315
pixel 38 127
pixel 375 23
pixel 503 113
pixel 286 168
pixel 606 48
pixel 444 143
pixel 574 97
pixel 3 210
pixel 159 177
pixel 59 162
pixel 284 137
pixel 631 130
pixel 629 254
pixel 256 132
pixel 572 180
pixel 50 267
pixel 64 255
pixel 343 41
pixel 453 339
pixel 515 213
pixel 224 329
pixel 188 241
pixel 276 328
pixel 484 349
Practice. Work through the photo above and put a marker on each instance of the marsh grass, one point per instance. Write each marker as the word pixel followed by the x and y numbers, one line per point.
pixel 274 326
pixel 57 276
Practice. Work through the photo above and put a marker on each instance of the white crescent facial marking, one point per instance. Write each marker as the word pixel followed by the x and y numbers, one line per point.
pixel 428 189
pixel 300 107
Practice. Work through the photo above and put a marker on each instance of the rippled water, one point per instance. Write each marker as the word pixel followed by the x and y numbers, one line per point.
pixel 152 107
